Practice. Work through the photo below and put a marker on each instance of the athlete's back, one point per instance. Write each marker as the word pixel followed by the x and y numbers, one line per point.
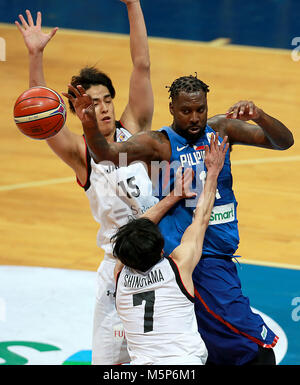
pixel 158 316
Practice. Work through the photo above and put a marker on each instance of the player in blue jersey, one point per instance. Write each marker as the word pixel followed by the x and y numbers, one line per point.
pixel 233 334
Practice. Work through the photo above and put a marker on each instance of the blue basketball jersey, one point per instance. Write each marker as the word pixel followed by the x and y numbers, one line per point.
pixel 222 237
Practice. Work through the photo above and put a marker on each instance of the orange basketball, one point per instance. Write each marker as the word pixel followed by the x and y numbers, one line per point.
pixel 40 112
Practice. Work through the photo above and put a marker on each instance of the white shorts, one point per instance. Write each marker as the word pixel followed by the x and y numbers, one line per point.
pixel 109 345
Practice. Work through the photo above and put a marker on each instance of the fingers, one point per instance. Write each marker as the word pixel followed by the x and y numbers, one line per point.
pixel 53 32
pixel 78 91
pixel 74 93
pixel 19 26
pixel 23 21
pixel 29 18
pixel 39 19
pixel 224 143
pixel 25 24
pixel 188 177
pixel 67 95
pixel 179 172
pixel 240 110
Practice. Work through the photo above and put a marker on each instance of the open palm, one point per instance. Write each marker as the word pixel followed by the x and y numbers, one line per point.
pixel 34 38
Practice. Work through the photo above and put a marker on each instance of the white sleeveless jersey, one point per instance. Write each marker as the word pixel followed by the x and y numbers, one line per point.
pixel 117 194
pixel 158 317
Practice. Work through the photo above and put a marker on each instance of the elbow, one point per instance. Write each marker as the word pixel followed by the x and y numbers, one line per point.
pixel 289 142
pixel 142 64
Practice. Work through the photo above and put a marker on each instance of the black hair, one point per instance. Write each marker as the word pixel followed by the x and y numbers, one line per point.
pixel 187 84
pixel 138 244
pixel 88 77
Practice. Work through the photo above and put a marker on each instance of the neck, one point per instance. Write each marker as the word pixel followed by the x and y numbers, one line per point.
pixel 111 136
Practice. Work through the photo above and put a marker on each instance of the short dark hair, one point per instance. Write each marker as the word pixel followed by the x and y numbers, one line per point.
pixel 138 244
pixel 91 76
pixel 187 84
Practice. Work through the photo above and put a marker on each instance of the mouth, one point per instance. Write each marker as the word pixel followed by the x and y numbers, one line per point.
pixel 106 119
pixel 194 129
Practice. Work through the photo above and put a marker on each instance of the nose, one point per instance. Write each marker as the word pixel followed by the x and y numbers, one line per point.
pixel 103 107
pixel 194 118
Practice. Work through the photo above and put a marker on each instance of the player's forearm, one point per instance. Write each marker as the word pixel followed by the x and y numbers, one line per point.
pixel 158 211
pixel 207 199
pixel 121 154
pixel 279 135
pixel 100 149
pixel 138 37
pixel 36 72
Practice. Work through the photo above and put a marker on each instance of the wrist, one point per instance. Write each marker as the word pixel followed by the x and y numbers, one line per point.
pixel 36 53
pixel 132 3
pixel 174 196
pixel 213 173
pixel 261 116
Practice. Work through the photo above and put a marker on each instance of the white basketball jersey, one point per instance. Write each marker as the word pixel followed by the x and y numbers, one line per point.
pixel 117 194
pixel 158 317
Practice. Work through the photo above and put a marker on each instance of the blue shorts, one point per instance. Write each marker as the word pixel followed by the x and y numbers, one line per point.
pixel 229 328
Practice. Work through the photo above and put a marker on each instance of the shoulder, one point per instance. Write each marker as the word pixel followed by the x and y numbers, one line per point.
pixel 158 136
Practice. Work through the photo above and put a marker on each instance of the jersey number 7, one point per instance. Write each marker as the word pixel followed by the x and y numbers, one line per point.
pixel 149 298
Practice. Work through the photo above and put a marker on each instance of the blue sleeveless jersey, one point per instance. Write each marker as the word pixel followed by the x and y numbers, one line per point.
pixel 222 237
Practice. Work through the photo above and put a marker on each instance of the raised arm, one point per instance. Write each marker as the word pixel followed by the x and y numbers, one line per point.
pixel 144 146
pixel 188 253
pixel 267 132
pixel 67 145
pixel 138 113
pixel 35 40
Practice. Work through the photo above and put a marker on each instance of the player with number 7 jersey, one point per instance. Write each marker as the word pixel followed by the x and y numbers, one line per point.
pixel 159 317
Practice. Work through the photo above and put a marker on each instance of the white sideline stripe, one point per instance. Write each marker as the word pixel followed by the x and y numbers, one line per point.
pixel 71 179
pixel 36 184
pixel 265 160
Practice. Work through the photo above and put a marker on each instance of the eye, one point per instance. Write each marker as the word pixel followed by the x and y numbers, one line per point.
pixel 185 111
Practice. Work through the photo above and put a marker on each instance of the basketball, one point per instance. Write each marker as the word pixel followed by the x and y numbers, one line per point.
pixel 40 113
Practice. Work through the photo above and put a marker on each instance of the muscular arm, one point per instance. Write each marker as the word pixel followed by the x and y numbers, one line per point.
pixel 139 110
pixel 267 132
pixel 143 146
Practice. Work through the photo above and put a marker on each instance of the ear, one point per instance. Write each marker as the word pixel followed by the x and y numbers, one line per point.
pixel 171 108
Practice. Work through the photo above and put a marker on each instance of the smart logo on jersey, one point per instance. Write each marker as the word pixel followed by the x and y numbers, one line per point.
pixel 222 214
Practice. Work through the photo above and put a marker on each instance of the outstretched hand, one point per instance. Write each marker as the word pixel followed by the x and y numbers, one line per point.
pixel 244 110
pixel 35 40
pixel 183 183
pixel 215 154
pixel 82 103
